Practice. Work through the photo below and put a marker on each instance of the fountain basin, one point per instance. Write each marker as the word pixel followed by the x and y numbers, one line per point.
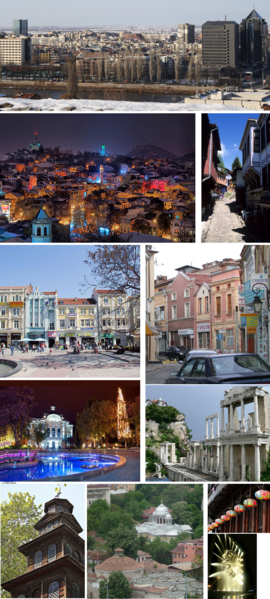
pixel 9 367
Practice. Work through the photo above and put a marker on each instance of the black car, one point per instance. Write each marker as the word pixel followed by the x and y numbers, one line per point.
pixel 176 353
pixel 222 368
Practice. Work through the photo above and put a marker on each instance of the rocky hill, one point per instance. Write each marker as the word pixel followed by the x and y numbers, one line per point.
pixel 151 152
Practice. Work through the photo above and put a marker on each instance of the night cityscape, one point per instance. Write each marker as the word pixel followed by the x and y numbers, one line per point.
pixel 45 435
pixel 48 194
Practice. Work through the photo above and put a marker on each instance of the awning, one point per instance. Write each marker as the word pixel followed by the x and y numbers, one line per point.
pixel 150 329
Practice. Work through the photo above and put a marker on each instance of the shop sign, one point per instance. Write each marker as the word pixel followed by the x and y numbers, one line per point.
pixel 87 328
pixel 51 334
pixel 69 335
pixel 186 332
pixel 251 330
pixel 16 304
pixel 222 331
pixel 3 304
pixel 202 327
pixel 84 334
pixel 249 320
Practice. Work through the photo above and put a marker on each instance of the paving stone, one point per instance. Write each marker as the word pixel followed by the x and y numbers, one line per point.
pixel 226 225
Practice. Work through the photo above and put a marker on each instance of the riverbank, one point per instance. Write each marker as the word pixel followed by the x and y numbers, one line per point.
pixel 138 88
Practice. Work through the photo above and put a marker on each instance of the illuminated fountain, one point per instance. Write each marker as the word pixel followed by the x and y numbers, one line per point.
pixel 228 567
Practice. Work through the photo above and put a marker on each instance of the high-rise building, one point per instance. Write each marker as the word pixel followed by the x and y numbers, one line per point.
pixel 186 33
pixel 20 27
pixel 220 44
pixel 15 50
pixel 253 41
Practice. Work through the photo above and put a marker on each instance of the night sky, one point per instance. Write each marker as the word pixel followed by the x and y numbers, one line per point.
pixel 70 397
pixel 119 132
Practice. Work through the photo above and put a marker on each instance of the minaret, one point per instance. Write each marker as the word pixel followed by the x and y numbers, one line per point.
pixel 101 174
pixel 55 558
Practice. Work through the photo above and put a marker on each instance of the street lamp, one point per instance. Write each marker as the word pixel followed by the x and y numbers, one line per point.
pixel 257 302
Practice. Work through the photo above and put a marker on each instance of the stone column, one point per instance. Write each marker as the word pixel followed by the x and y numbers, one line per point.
pixel 231 419
pixel 257 462
pixel 256 427
pixel 206 428
pixel 243 462
pixel 218 425
pixel 211 464
pixel 221 467
pixel 243 420
pixel 195 458
pixel 222 421
pixel 217 458
pixel 206 465
pixel 212 428
pixel 231 462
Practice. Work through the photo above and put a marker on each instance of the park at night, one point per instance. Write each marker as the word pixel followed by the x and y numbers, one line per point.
pixel 75 431
pixel 85 177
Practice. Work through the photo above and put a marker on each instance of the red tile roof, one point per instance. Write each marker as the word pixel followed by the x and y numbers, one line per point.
pixel 116 564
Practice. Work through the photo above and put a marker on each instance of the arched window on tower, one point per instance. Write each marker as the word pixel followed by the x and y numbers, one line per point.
pixel 52 553
pixel 45 231
pixel 53 432
pixel 53 589
pixel 76 555
pixel 75 591
pixel 68 549
pixel 59 432
pixel 36 593
pixel 38 559
pixel 39 231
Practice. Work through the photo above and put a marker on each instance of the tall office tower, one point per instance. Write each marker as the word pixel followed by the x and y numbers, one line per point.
pixel 186 33
pixel 20 27
pixel 253 41
pixel 220 44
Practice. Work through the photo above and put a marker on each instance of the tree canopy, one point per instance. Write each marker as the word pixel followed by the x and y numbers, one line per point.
pixel 118 587
pixel 115 267
pixel 19 514
pixel 161 414
pixel 16 410
pixel 97 421
pixel 236 163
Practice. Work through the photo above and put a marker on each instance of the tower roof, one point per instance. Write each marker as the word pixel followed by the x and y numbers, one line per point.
pixel 254 15
pixel 42 217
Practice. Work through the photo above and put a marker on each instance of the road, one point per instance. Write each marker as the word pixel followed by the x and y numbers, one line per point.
pixel 67 365
pixel 226 225
pixel 156 374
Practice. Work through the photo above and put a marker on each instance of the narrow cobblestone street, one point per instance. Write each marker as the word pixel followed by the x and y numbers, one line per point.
pixel 226 225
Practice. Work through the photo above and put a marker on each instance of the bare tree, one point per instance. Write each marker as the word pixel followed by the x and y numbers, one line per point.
pixel 126 66
pixel 132 66
pixel 159 67
pixel 139 65
pixel 177 66
pixel 107 69
pixel 100 68
pixel 114 267
pixel 198 68
pixel 72 82
pixel 151 66
pixel 190 68
pixel 119 68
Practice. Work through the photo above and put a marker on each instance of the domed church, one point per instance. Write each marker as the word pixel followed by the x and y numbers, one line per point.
pixel 160 524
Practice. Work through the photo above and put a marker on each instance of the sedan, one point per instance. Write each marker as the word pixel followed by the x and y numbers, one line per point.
pixel 222 368
pixel 176 353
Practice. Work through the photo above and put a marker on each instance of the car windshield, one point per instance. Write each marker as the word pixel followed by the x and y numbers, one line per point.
pixel 239 365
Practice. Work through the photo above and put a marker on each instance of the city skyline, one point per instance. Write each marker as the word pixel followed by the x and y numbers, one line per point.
pixel 87 132
pixel 150 13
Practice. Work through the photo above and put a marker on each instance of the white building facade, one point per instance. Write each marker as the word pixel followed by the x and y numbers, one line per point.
pixel 59 430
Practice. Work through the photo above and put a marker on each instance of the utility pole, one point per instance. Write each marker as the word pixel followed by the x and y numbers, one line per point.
pixel 237 329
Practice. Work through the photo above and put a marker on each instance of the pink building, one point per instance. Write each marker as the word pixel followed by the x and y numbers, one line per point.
pixel 181 305
pixel 224 308
pixel 185 551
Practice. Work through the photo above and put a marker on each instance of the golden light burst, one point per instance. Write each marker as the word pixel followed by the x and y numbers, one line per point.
pixel 229 566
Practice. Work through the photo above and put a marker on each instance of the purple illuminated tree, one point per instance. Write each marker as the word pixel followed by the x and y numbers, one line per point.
pixel 19 402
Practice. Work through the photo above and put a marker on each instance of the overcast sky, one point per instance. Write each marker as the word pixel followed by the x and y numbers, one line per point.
pixel 121 13
pixel 74 492
pixel 169 258
pixel 195 401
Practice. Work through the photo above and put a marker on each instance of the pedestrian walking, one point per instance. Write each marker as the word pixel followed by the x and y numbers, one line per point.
pixel 12 350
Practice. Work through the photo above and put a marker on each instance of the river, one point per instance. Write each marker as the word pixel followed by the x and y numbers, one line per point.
pixel 98 95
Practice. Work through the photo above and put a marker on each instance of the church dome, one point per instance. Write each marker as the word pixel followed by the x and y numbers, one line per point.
pixel 161 510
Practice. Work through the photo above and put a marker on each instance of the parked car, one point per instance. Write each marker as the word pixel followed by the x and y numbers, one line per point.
pixel 222 368
pixel 176 353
